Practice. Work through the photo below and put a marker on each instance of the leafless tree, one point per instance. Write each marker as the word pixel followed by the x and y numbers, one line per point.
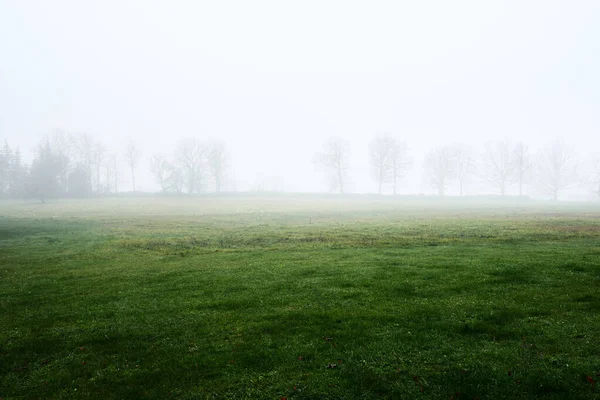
pixel 98 154
pixel 217 163
pixel 191 156
pixel 85 147
pixel 62 145
pixel 110 172
pixel 161 169
pixel 465 166
pixel 381 149
pixel 335 159
pixel 498 165
pixel 399 162
pixel 133 154
pixel 521 164
pixel 114 160
pixel 556 169
pixel 440 168
pixel 176 179
pixel 596 174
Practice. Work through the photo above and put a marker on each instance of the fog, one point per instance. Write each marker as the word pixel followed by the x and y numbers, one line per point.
pixel 275 80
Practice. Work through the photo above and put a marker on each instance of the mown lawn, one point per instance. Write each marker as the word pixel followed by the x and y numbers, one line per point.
pixel 163 301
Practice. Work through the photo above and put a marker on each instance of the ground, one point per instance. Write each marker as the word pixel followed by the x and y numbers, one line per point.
pixel 299 298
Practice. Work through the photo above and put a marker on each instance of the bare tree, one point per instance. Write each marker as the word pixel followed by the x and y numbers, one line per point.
pixel 217 163
pixel 596 174
pixel 335 159
pixel 399 162
pixel 521 164
pixel 114 160
pixel 176 179
pixel 110 172
pixel 190 156
pixel 62 145
pixel 440 168
pixel 465 166
pixel 98 153
pixel 381 149
pixel 133 155
pixel 161 169
pixel 85 147
pixel 498 165
pixel 557 171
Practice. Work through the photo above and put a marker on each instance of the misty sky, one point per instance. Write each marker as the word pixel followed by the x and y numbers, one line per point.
pixel 275 79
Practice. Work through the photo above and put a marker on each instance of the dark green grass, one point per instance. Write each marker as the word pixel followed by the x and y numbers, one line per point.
pixel 300 303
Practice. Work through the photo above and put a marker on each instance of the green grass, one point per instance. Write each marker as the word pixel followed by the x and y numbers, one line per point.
pixel 298 298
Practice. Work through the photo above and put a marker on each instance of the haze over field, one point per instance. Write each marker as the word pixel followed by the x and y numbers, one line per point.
pixel 275 80
pixel 299 199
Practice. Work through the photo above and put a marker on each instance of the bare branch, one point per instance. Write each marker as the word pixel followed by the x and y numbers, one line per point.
pixel 335 159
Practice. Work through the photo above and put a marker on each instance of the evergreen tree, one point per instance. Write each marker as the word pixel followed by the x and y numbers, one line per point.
pixel 5 164
pixel 44 177
pixel 79 181
pixel 18 176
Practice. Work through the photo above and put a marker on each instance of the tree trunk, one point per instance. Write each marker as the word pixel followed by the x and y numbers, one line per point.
pixel 191 183
pixel 133 179
pixel 520 187
pixel 98 187
pixel 340 181
pixel 116 181
pixel 107 180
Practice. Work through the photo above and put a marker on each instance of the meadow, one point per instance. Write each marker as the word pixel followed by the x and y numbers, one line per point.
pixel 287 297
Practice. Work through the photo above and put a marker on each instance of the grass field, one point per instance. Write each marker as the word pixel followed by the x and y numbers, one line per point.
pixel 299 298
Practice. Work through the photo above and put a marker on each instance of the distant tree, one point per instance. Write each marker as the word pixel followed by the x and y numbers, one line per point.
pixel 465 166
pixel 45 171
pixel 133 154
pixel 161 169
pixel 596 174
pixel 521 164
pixel 113 160
pixel 217 163
pixel 18 176
pixel 109 172
pixel 6 157
pixel 380 150
pixel 335 159
pixel 556 170
pixel 85 144
pixel 78 181
pixel 62 145
pixel 176 179
pixel 498 165
pixel 440 168
pixel 190 157
pixel 399 163
pixel 98 154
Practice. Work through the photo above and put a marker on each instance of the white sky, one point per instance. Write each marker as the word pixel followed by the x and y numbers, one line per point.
pixel 275 79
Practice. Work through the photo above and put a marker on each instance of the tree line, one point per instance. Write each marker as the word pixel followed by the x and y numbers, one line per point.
pixel 78 165
pixel 502 165
pixel 64 165
pixel 194 167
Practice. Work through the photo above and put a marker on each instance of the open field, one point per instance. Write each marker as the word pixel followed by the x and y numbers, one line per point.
pixel 299 298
